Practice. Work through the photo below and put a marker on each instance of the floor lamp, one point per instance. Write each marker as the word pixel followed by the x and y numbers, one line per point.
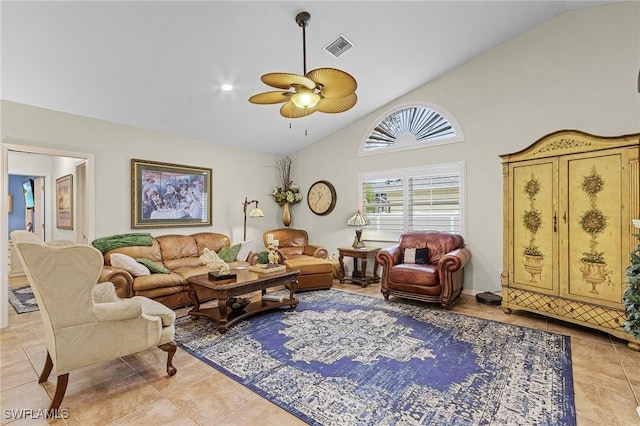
pixel 256 212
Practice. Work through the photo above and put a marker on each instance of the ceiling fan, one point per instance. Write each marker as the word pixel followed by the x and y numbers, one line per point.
pixel 326 90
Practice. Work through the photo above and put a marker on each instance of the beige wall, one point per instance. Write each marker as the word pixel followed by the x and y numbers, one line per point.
pixel 577 70
pixel 236 172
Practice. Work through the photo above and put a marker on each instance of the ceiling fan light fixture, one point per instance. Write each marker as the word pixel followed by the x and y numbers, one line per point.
pixel 302 94
pixel 305 100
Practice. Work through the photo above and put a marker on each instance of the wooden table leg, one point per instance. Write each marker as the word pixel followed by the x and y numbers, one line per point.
pixel 363 264
pixel 193 295
pixel 222 308
pixel 341 261
pixel 293 286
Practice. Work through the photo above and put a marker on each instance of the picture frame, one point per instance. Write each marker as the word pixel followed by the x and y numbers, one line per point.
pixel 64 202
pixel 165 195
pixel 10 203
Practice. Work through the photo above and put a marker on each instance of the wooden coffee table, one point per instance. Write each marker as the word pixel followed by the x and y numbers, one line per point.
pixel 244 282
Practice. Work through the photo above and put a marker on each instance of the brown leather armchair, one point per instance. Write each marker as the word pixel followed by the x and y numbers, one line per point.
pixel 316 272
pixel 439 279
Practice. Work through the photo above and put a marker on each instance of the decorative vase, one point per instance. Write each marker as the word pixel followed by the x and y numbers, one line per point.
pixel 533 265
pixel 286 214
pixel 594 274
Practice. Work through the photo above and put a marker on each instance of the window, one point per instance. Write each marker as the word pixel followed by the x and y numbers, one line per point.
pixel 397 201
pixel 410 127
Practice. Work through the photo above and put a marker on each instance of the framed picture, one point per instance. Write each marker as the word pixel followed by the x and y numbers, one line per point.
pixel 167 195
pixel 64 202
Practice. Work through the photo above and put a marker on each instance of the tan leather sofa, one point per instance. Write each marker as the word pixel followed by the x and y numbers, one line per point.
pixel 180 255
pixel 437 278
pixel 316 272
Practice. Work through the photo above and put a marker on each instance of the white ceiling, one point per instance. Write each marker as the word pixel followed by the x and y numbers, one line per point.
pixel 159 65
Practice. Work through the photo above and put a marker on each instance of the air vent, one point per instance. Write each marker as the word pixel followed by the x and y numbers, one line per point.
pixel 338 46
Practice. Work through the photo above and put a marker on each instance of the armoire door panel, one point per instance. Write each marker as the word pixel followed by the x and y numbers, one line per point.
pixel 593 241
pixel 534 235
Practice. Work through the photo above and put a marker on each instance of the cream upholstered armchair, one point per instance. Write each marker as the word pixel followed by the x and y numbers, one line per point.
pixel 84 322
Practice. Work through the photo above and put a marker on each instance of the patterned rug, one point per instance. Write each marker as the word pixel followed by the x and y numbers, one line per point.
pixel 347 359
pixel 22 299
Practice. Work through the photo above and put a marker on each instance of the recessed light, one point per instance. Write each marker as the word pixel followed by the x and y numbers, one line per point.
pixel 226 87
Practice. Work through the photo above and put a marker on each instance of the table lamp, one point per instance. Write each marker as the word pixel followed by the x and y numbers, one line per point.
pixel 256 212
pixel 358 220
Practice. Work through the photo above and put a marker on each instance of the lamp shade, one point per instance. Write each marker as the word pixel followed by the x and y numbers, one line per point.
pixel 256 212
pixel 358 220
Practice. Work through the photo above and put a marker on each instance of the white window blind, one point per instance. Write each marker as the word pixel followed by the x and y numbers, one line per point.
pixel 398 201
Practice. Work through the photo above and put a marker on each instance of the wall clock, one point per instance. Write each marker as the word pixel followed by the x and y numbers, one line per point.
pixel 321 197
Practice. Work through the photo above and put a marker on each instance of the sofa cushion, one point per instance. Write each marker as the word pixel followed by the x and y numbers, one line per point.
pixel 154 267
pixel 177 247
pixel 415 255
pixel 211 240
pixel 291 251
pixel 310 265
pixel 157 281
pixel 228 254
pixel 245 249
pixel 191 271
pixel 178 251
pixel 152 252
pixel 129 264
pixel 426 275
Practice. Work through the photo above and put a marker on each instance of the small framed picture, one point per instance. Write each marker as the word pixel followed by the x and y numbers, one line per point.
pixel 165 195
pixel 64 202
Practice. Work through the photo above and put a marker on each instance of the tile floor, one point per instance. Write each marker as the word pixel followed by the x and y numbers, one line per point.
pixel 135 390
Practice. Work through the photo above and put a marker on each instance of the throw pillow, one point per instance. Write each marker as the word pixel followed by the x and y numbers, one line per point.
pixel 154 267
pixel 129 264
pixel 413 255
pixel 228 254
pixel 245 249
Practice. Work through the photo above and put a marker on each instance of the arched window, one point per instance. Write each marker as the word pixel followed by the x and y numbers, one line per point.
pixel 410 127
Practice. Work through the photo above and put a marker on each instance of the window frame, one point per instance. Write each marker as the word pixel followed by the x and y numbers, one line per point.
pixel 458 167
pixel 401 143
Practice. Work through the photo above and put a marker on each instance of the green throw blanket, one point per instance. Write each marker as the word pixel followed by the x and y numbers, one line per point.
pixel 122 240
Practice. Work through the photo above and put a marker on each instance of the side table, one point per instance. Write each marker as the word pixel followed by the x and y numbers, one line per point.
pixel 359 276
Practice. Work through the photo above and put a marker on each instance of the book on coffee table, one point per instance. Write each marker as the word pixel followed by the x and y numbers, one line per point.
pixel 273 297
pixel 268 268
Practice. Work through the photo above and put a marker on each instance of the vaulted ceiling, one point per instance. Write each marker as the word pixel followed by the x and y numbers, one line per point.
pixel 160 65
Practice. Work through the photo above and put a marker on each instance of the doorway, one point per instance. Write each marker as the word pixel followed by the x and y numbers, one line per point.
pixel 83 163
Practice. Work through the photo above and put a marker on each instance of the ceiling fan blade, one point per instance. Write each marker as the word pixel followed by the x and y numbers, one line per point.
pixel 267 98
pixel 289 110
pixel 283 80
pixel 335 83
pixel 335 105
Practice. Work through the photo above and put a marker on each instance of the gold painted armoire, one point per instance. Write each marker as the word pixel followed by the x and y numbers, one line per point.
pixel 568 201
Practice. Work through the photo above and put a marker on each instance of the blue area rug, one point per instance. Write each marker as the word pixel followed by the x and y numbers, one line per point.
pixel 22 299
pixel 347 359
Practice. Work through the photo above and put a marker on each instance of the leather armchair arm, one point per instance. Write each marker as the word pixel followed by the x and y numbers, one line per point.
pixel 389 256
pixel 453 261
pixel 315 251
pixel 451 272
pixel 252 258
pixel 121 280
